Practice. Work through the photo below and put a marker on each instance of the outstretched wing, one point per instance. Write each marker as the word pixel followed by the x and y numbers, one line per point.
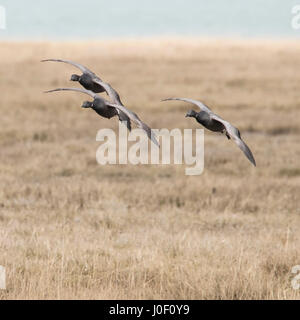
pixel 88 92
pixel 199 104
pixel 234 133
pixel 111 92
pixel 134 117
pixel 75 64
pixel 242 145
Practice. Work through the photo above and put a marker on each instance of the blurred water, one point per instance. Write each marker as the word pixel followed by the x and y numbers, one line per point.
pixel 71 19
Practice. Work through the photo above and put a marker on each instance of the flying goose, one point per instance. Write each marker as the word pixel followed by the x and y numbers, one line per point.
pixel 90 81
pixel 214 123
pixel 86 79
pixel 108 110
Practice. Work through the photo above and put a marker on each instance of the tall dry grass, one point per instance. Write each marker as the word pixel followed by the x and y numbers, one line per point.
pixel 72 229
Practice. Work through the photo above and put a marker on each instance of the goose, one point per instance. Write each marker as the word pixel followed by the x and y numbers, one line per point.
pixel 87 79
pixel 108 110
pixel 90 81
pixel 213 122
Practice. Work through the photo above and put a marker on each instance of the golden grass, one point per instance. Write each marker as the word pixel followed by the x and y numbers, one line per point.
pixel 71 229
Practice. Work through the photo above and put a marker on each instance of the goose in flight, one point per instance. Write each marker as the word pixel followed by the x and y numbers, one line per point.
pixel 87 79
pixel 213 122
pixel 90 81
pixel 108 110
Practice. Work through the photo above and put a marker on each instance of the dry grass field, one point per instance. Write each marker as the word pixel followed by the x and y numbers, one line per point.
pixel 72 229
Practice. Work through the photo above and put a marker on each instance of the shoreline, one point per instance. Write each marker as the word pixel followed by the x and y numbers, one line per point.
pixel 147 39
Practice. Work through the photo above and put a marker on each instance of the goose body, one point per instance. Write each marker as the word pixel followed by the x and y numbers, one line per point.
pixel 101 108
pixel 204 119
pixel 86 80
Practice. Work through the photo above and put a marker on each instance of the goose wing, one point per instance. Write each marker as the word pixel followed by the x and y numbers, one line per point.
pixel 199 104
pixel 111 92
pixel 234 133
pixel 75 64
pixel 134 117
pixel 88 92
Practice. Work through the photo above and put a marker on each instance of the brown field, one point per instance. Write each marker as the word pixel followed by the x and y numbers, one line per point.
pixel 72 229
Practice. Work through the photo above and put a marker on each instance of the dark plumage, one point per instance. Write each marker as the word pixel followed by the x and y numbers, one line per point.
pixel 203 118
pixel 215 123
pixel 101 108
pixel 86 80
